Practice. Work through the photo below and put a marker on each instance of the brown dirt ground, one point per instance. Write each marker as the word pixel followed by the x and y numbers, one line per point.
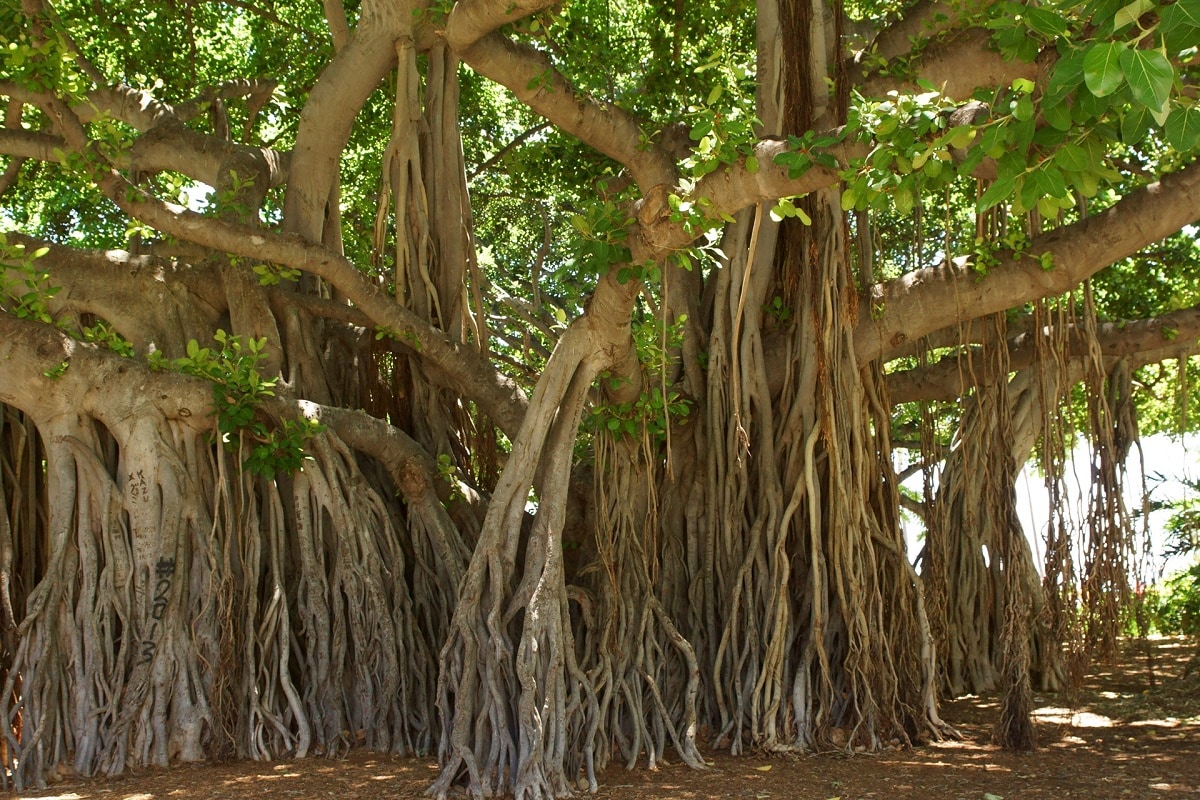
pixel 1129 736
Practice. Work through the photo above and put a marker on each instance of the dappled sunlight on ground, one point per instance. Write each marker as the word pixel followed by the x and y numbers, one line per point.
pixel 1134 733
pixel 1076 719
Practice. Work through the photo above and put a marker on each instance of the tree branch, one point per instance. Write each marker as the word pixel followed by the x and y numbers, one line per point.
pixel 139 295
pixel 530 75
pixel 328 116
pixel 929 299
pixel 506 149
pixel 31 144
pixel 924 20
pixel 466 368
pixel 471 20
pixel 104 385
pixel 730 189
pixel 335 18
pixel 1142 342
pixel 167 143
pixel 958 65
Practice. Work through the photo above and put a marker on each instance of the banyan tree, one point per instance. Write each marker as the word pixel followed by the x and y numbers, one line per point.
pixel 518 382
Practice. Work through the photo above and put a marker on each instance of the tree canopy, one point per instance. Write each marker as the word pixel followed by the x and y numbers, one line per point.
pixel 524 382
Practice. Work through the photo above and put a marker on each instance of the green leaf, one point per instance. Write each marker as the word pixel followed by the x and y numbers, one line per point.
pixel 1072 158
pixel 1024 109
pixel 996 193
pixel 1150 76
pixel 1130 13
pixel 961 137
pixel 782 209
pixel 1058 116
pixel 1050 181
pixel 848 200
pixel 1029 193
pixel 1046 22
pixel 1023 86
pixel 1135 124
pixel 1088 183
pixel 1184 11
pixel 1068 73
pixel 751 165
pixel 1180 25
pixel 1102 68
pixel 1183 128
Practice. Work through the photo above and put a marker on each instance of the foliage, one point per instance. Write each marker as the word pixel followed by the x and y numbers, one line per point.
pixel 1173 605
pixel 102 333
pixel 24 286
pixel 601 203
pixel 653 412
pixel 238 391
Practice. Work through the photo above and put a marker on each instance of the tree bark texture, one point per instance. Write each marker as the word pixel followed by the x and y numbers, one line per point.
pixel 452 568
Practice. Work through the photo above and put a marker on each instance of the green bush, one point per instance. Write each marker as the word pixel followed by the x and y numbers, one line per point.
pixel 1174 604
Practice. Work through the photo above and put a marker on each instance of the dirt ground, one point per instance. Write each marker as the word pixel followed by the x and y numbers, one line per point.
pixel 1134 734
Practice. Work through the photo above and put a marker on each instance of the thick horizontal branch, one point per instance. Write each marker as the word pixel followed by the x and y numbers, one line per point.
pixel 156 302
pixel 1138 341
pixel 471 20
pixel 46 373
pixel 173 146
pixel 148 300
pixel 948 48
pixel 31 144
pixel 142 110
pixel 958 65
pixel 730 189
pixel 929 299
pixel 530 75
pixel 468 371
pixel 167 144
pixel 922 21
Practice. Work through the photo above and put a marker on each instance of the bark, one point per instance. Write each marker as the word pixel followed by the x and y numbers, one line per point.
pixel 232 578
pixel 740 574
pixel 1138 342
pixel 927 300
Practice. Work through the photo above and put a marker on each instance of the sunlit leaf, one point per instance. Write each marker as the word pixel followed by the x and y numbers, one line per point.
pixel 1102 68
pixel 1150 76
pixel 1182 130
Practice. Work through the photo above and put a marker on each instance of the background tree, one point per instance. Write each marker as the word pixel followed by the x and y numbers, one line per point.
pixel 519 381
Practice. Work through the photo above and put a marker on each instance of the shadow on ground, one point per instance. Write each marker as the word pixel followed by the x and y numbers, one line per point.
pixel 1134 732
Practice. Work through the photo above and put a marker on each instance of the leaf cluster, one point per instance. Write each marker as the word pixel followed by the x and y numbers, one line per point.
pixel 25 289
pixel 238 390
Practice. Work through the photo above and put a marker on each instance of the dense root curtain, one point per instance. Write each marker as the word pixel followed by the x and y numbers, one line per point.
pixel 823 640
pixel 172 606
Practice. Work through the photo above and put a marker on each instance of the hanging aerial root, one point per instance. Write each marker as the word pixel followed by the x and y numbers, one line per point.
pixel 648 671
